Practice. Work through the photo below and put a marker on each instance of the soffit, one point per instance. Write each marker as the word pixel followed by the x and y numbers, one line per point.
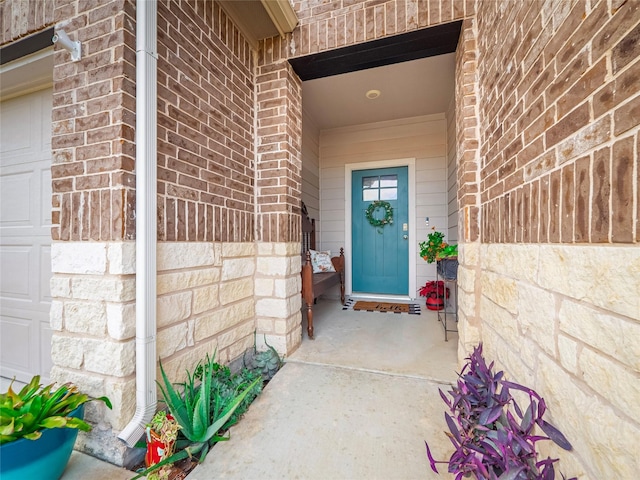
pixel 259 19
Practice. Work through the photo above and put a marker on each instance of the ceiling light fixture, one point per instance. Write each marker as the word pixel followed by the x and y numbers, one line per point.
pixel 372 94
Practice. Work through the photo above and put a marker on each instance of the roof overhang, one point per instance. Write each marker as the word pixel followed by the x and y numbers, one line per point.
pixel 260 19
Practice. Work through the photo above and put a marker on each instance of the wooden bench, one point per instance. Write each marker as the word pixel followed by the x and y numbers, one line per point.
pixel 315 284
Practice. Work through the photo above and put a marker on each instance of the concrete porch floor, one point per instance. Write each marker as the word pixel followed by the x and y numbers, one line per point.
pixel 357 402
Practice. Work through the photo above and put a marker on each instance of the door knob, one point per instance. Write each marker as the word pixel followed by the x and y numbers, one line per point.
pixel 405 236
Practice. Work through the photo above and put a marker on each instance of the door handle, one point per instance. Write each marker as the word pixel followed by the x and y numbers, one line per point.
pixel 405 236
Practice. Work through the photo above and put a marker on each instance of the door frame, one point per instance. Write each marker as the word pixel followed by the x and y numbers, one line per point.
pixel 410 163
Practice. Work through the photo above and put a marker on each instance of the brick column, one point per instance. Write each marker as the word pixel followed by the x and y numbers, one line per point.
pixel 278 193
pixel 468 171
pixel 93 231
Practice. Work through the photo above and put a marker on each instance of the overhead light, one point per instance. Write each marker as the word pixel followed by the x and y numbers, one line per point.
pixel 372 94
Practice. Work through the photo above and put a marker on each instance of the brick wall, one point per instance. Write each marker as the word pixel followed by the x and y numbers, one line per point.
pixel 205 126
pixel 322 26
pixel 328 25
pixel 560 114
pixel 93 124
pixel 20 18
pixel 554 280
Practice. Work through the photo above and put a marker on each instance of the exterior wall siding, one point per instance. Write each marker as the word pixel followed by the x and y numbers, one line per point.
pixel 559 130
pixel 205 126
pixel 20 18
pixel 555 277
pixel 422 138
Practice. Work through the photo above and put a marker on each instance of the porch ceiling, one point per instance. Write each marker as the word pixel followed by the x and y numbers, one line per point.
pixel 408 89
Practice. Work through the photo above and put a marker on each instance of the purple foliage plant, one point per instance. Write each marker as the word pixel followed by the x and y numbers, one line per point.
pixel 490 442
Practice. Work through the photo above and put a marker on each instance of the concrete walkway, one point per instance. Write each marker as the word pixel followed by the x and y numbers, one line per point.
pixel 356 403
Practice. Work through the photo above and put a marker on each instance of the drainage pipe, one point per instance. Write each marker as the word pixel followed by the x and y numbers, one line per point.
pixel 146 228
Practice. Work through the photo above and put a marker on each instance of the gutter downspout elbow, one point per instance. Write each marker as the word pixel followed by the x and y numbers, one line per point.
pixel 146 226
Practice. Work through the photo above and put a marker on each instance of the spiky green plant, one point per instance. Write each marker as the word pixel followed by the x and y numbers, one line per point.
pixel 34 408
pixel 193 411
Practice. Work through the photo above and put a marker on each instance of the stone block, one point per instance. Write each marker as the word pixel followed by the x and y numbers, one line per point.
pixel 291 249
pixel 614 336
pixel 121 257
pixel 172 339
pixel 234 268
pixel 280 326
pixel 211 324
pixel 265 248
pixel 56 315
pixel 231 292
pixel 516 368
pixel 467 303
pixel 240 347
pixel 265 287
pixel 279 342
pixel 469 253
pixel 287 287
pixel 110 358
pixel 568 354
pixel 619 385
pixel 121 320
pixel 265 325
pixel 177 281
pixel 501 290
pixel 537 316
pixel 67 351
pixel 60 287
pixel 84 258
pixel 122 394
pixel 205 298
pixel 106 288
pixel 272 307
pixel 238 250
pixel 89 383
pixel 173 308
pixel 514 261
pixel 597 431
pixel 186 360
pixel 501 321
pixel 466 279
pixel 295 263
pixel 274 266
pixel 239 333
pixel 584 273
pixel 85 317
pixel 181 255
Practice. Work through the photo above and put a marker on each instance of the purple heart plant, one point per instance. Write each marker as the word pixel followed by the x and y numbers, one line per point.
pixel 490 442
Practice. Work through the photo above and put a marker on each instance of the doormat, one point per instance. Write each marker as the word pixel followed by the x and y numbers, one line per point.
pixel 385 307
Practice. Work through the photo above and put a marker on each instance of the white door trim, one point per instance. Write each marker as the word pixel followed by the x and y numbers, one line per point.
pixel 410 163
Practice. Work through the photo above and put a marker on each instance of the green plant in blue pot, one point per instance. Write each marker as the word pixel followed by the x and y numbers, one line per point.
pixel 38 428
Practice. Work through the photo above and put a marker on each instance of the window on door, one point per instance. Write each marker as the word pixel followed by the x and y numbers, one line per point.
pixel 380 187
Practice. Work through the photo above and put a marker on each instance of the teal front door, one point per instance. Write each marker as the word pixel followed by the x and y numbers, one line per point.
pixel 380 262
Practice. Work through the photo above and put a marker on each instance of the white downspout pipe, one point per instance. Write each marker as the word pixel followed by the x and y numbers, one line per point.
pixel 146 215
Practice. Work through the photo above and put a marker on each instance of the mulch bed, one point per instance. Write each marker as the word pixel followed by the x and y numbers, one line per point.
pixel 179 470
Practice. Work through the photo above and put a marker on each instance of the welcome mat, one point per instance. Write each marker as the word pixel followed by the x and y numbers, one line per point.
pixel 385 307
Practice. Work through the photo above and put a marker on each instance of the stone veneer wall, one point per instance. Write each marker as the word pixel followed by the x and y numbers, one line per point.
pixel 558 269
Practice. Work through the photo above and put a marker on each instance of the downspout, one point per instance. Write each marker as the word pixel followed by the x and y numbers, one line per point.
pixel 146 228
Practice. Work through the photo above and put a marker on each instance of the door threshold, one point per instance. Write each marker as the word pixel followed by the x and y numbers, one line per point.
pixel 381 297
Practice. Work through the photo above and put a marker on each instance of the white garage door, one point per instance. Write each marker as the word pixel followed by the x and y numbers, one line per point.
pixel 25 235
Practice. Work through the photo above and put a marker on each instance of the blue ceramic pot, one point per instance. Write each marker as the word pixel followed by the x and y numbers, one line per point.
pixel 44 458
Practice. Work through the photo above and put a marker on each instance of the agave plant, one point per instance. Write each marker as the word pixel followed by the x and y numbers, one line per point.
pixel 34 408
pixel 199 422
pixel 490 442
